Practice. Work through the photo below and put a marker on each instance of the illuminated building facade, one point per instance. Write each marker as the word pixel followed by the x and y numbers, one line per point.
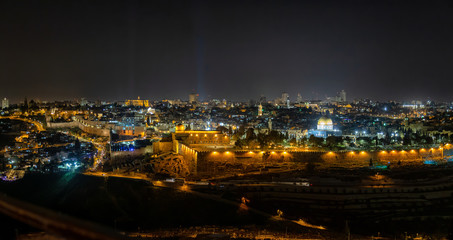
pixel 193 98
pixel 191 137
pixel 5 103
pixel 137 103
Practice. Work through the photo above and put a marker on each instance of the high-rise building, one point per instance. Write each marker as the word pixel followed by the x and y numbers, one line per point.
pixel 285 99
pixel 5 103
pixel 193 97
pixel 343 96
pixel 299 98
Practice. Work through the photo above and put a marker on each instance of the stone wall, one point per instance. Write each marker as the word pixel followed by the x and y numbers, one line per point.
pixel 92 127
pixel 71 124
pixel 162 147
pixel 189 155
pixel 212 162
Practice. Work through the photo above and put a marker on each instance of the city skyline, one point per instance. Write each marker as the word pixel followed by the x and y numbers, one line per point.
pixel 226 119
pixel 293 99
pixel 234 50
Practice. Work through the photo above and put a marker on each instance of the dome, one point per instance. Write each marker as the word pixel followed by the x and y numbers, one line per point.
pixel 325 123
pixel 180 128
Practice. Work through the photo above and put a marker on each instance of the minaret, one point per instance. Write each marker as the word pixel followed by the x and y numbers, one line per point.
pixel 269 124
pixel 260 110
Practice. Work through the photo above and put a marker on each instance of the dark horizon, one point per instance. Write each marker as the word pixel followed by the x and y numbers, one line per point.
pixel 238 50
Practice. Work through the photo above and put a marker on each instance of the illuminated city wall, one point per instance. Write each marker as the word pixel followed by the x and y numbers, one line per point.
pixel 92 127
pixel 217 162
pixel 62 124
pixel 189 155
pixel 100 128
pixel 161 147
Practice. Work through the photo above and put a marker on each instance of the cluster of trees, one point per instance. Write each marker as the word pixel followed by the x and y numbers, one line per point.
pixel 331 142
pixel 250 139
pixel 413 138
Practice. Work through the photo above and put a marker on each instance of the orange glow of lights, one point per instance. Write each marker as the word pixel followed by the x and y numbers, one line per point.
pixel 362 152
pixel 384 152
pixel 273 152
pixel 262 152
pixel 185 188
pixel 352 152
pixel 214 152
pixel 250 152
pixel 284 152
pixel 422 150
pixel 227 152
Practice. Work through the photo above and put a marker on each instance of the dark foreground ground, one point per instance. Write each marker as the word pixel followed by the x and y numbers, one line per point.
pixel 128 205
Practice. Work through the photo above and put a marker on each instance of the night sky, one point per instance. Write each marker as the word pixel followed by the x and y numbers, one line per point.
pixel 239 50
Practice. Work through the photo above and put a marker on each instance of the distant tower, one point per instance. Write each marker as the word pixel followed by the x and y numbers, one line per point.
pixel 269 124
pixel 299 98
pixel 260 110
pixel 285 98
pixel 5 103
pixel 343 96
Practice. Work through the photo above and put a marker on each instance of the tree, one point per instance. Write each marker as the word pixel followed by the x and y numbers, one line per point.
pixel 241 130
pixel 364 141
pixel 315 141
pixel 407 139
pixel 263 140
pixel 250 134
pixel 275 137
pixel 222 129
pixel 333 141
pixel 348 141
pixel 239 143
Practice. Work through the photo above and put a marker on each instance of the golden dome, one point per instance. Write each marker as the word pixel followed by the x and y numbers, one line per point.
pixel 180 128
pixel 325 121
